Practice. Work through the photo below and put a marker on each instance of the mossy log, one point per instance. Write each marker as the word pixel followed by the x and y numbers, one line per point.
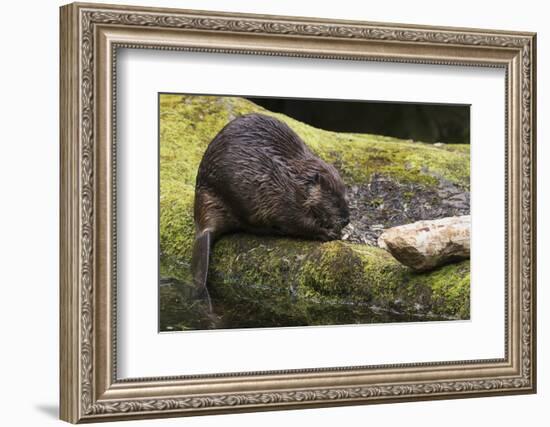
pixel 268 281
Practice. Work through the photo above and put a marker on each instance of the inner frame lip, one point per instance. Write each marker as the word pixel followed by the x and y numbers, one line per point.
pixel 489 363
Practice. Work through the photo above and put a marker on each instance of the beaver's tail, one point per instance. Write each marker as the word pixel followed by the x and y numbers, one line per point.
pixel 199 264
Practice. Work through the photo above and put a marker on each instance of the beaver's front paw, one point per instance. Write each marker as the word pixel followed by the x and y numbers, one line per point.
pixel 327 235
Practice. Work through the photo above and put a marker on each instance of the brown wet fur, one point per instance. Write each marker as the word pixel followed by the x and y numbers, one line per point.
pixel 258 176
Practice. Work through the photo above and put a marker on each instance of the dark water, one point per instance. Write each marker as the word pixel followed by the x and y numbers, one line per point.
pixel 416 121
pixel 181 311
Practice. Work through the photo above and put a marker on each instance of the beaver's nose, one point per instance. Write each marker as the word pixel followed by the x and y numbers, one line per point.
pixel 345 221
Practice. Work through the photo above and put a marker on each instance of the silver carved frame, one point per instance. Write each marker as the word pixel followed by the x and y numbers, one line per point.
pixel 90 36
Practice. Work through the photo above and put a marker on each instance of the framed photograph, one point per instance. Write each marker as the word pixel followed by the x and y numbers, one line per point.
pixel 266 212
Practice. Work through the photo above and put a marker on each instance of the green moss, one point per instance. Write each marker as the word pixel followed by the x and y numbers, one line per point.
pixel 450 289
pixel 259 281
pixel 306 282
pixel 408 195
pixel 377 201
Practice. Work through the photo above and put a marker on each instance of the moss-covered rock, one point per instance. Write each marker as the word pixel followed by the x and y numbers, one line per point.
pixel 267 281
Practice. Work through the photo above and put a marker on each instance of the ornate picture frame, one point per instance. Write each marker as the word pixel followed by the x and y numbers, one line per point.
pixel 90 37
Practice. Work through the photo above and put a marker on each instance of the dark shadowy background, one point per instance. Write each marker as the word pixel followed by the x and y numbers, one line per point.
pixel 420 122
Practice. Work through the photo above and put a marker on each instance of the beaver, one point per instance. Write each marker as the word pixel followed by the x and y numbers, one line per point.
pixel 258 176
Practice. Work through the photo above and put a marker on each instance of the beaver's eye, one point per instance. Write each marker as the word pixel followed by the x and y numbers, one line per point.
pixel 314 179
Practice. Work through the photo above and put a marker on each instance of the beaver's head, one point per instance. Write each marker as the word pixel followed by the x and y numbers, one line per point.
pixel 326 199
